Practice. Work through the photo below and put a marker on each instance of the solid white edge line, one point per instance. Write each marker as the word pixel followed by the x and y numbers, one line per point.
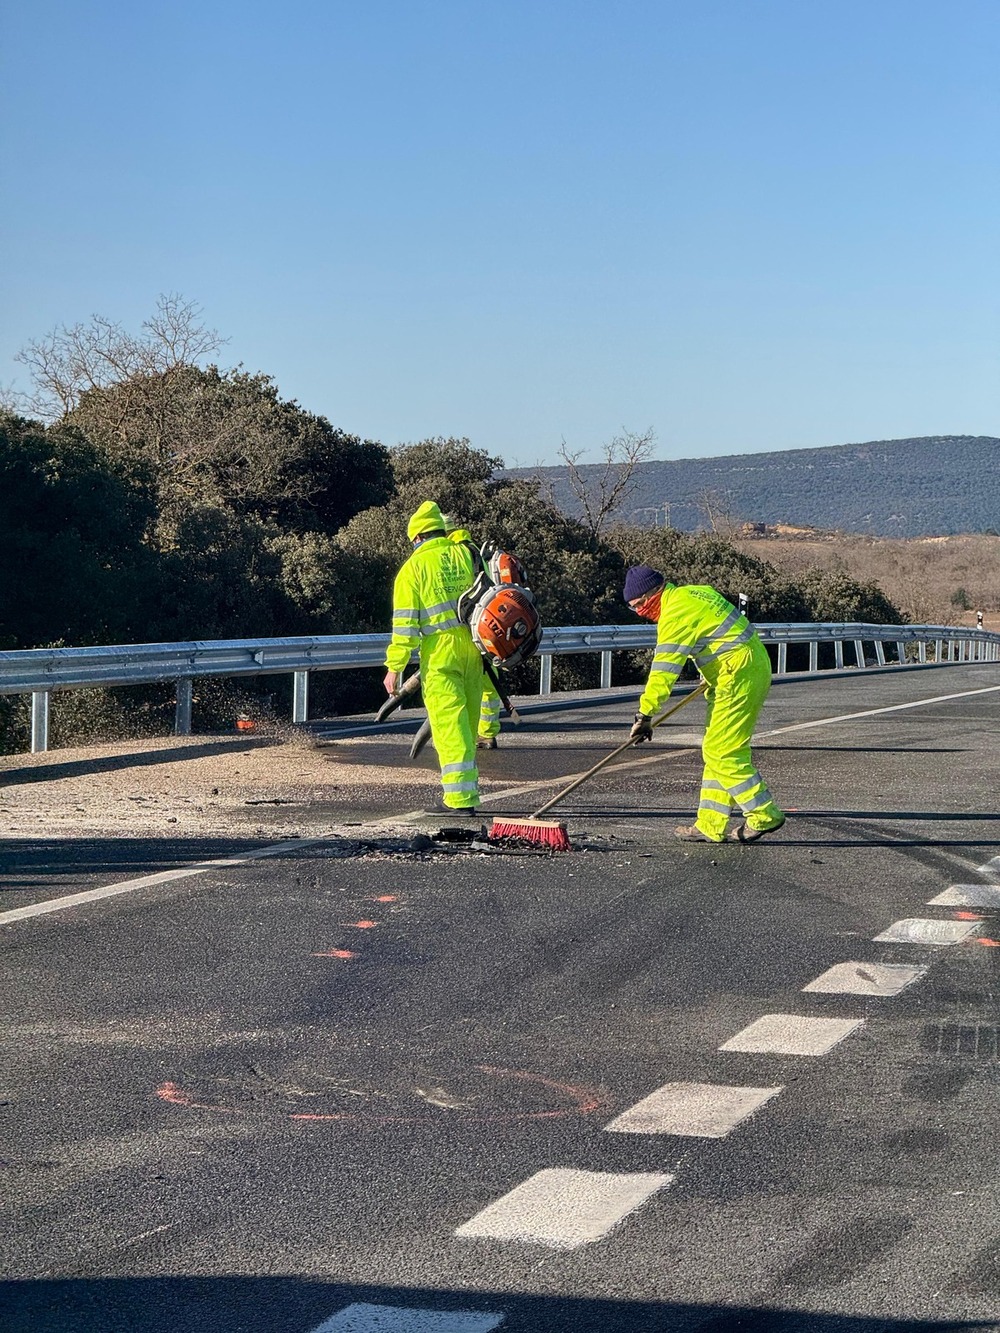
pixel 161 877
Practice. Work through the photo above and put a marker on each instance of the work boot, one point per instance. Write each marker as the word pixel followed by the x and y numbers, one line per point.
pixel 486 742
pixel 692 833
pixel 745 833
pixel 462 810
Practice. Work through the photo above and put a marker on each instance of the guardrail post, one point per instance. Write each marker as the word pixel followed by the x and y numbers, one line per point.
pixel 782 659
pixel 859 653
pixel 814 655
pixel 939 650
pixel 880 652
pixel 300 697
pixel 545 673
pixel 838 654
pixel 606 669
pixel 182 709
pixel 921 651
pixel 39 721
pixel 901 652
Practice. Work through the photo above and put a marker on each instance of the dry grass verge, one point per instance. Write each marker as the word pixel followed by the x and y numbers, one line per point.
pixel 933 580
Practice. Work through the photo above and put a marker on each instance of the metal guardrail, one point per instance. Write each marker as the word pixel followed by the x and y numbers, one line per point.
pixel 41 671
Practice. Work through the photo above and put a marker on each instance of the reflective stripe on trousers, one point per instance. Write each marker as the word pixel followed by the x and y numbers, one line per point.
pixel 489 711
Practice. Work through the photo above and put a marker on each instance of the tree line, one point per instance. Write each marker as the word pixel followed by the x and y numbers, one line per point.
pixel 146 495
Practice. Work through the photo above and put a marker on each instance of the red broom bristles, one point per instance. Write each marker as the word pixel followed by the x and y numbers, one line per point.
pixel 546 832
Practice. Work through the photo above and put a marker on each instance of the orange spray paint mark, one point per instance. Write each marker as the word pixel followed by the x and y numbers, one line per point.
pixel 585 1101
pixel 386 898
pixel 335 953
pixel 362 925
pixel 176 1096
pixel 968 916
pixel 170 1092
pixel 302 1115
pixel 990 944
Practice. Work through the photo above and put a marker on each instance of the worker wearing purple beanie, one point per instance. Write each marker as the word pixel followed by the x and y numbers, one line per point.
pixel 697 622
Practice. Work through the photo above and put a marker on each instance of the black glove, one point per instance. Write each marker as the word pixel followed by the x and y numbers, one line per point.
pixel 642 729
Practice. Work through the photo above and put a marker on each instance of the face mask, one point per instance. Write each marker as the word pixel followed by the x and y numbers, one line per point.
pixel 649 607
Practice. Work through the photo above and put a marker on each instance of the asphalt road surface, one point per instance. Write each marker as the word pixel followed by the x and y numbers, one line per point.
pixel 368 1081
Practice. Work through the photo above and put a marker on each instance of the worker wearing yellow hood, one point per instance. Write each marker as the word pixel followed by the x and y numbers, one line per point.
pixel 425 618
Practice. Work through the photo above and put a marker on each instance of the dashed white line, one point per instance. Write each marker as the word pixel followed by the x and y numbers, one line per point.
pixel 789 1034
pixel 696 1110
pixel 564 1208
pixel 401 1319
pixel 968 895
pixel 924 930
pixel 865 979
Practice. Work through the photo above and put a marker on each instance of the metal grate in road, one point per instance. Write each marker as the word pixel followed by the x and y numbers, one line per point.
pixel 978 1042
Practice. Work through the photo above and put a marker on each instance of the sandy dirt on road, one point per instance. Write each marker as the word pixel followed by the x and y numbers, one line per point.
pixel 221 785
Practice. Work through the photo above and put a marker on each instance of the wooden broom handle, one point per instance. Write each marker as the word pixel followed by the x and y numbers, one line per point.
pixel 698 690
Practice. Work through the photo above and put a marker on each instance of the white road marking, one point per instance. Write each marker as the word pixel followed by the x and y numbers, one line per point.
pixel 160 877
pixel 992 867
pixel 697 1110
pixel 924 930
pixel 788 1034
pixel 865 979
pixel 968 895
pixel 564 1208
pixel 873 712
pixel 399 1319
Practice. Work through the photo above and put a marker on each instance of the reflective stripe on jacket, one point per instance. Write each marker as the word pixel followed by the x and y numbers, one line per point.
pixel 425 596
pixel 696 622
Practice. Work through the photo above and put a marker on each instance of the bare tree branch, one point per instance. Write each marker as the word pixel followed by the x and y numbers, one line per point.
pixel 12 402
pixel 600 496
pixel 73 359
pixel 718 513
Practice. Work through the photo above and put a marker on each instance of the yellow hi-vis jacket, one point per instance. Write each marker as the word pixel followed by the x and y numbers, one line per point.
pixel 695 622
pixel 425 597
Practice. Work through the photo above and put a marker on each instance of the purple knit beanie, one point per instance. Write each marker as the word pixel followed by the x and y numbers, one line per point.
pixel 641 580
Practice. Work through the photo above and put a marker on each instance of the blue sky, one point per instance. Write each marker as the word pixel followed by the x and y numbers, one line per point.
pixel 747 224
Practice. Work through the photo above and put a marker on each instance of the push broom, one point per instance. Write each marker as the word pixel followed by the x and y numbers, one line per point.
pixel 552 833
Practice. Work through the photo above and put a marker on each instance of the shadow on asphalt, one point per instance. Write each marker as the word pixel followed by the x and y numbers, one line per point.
pixel 293 1305
pixel 76 768
pixel 764 744
pixel 917 816
pixel 76 857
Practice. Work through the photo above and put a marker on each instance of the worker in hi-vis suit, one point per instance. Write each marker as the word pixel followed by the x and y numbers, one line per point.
pixel 424 615
pixel 697 622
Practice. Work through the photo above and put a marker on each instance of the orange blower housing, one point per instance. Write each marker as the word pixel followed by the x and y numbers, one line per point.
pixel 505 625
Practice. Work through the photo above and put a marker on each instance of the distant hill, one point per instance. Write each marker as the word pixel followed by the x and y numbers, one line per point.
pixel 934 485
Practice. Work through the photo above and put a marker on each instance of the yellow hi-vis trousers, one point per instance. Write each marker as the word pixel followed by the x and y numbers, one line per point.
pixel 738 685
pixel 451 681
pixel 489 710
